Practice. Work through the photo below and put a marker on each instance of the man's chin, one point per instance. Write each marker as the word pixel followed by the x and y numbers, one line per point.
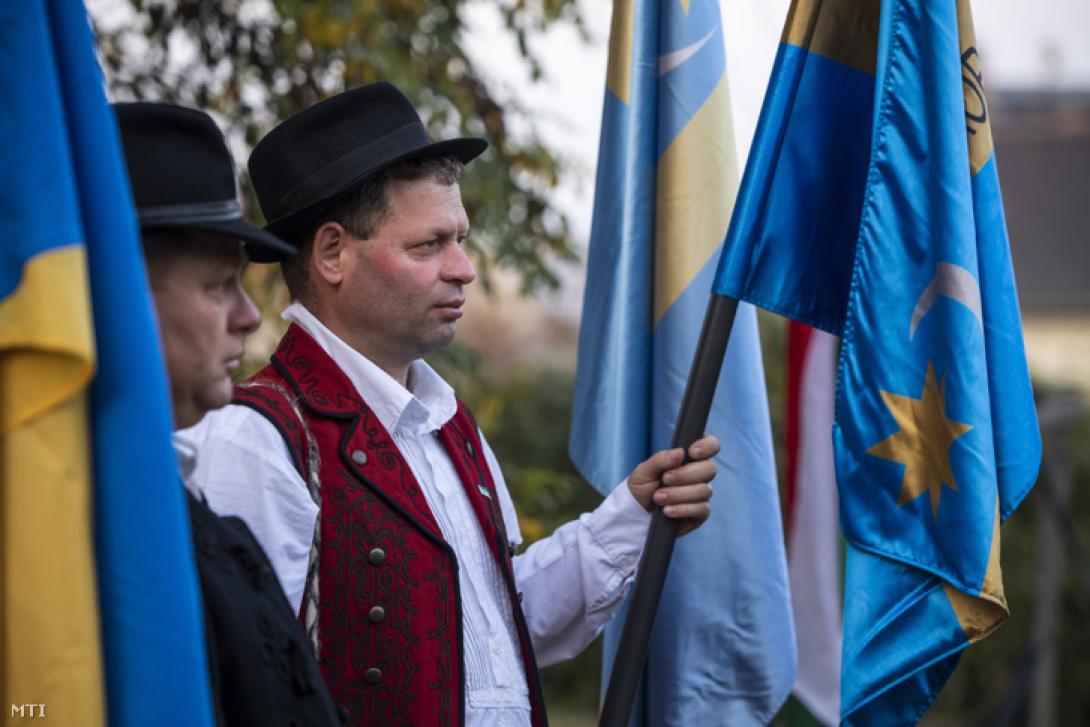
pixel 432 345
pixel 218 396
pixel 444 337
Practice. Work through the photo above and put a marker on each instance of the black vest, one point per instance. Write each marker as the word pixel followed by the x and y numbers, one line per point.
pixel 261 666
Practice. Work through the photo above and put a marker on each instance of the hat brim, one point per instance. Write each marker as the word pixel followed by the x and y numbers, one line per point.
pixel 261 246
pixel 464 149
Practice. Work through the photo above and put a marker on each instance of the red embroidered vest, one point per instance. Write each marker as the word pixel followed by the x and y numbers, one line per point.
pixel 389 607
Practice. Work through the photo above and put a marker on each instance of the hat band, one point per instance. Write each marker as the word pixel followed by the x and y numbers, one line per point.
pixel 347 169
pixel 191 213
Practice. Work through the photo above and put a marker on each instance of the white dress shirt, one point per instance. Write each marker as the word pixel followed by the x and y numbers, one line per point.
pixel 571 582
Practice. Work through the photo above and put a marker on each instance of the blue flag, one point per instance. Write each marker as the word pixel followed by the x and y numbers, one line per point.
pixel 722 650
pixel 871 208
pixel 72 260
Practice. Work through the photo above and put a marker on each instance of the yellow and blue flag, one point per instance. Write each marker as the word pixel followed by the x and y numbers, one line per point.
pixel 872 209
pixel 722 649
pixel 101 613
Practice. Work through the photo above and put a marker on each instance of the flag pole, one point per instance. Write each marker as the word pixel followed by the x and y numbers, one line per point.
pixel 659 547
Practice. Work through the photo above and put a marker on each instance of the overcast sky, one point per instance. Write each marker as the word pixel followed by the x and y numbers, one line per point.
pixel 1023 43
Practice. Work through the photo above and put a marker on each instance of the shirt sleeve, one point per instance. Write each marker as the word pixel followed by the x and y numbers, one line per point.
pixel 243 468
pixel 574 581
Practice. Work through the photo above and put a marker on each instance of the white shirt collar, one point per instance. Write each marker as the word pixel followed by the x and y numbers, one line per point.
pixel 426 405
pixel 186 453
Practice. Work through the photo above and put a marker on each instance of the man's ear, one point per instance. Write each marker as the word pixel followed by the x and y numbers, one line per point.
pixel 327 253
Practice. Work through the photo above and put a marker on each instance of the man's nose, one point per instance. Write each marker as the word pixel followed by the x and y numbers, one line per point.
pixel 458 267
pixel 245 317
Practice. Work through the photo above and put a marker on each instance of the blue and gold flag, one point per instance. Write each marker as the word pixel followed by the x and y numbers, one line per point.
pixel 722 650
pixel 52 661
pixel 872 209
pixel 101 613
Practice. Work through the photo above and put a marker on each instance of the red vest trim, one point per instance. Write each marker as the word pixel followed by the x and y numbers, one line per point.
pixel 389 606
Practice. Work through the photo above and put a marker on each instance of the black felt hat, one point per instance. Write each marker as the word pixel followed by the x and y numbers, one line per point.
pixel 337 143
pixel 182 175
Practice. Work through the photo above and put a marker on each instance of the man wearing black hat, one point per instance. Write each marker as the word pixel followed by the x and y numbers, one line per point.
pixel 196 244
pixel 408 582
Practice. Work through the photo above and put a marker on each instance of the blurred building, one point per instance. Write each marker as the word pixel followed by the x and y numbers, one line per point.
pixel 1042 143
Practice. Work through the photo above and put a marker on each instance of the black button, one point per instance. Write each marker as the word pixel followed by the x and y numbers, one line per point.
pixel 372 676
pixel 376 615
pixel 377 556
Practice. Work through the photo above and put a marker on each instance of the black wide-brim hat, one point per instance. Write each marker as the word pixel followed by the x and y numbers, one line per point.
pixel 336 144
pixel 183 176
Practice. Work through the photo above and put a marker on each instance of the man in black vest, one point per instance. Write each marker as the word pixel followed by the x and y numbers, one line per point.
pixel 196 245
pixel 380 503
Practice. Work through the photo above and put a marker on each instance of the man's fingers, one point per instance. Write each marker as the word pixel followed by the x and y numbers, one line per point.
pixel 703 471
pixel 698 511
pixel 704 448
pixel 700 492
pixel 651 469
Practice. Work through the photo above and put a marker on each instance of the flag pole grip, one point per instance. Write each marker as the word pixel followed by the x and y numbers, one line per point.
pixel 692 418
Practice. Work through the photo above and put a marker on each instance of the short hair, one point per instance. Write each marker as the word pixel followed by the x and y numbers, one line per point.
pixel 164 245
pixel 361 209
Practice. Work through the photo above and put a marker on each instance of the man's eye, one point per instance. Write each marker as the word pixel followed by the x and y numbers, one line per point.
pixel 222 285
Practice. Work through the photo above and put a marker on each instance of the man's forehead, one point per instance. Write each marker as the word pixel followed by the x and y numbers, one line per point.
pixel 212 249
pixel 426 203
pixel 217 245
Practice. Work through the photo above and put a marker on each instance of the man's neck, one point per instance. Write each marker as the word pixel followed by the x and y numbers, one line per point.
pixel 399 373
pixel 395 366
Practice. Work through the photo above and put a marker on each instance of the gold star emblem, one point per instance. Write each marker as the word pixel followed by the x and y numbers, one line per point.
pixel 922 445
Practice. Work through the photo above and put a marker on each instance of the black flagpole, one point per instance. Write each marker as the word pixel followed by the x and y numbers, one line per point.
pixel 692 418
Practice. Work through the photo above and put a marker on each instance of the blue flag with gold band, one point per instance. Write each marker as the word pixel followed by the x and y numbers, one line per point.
pixel 101 612
pixel 871 208
pixel 722 649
